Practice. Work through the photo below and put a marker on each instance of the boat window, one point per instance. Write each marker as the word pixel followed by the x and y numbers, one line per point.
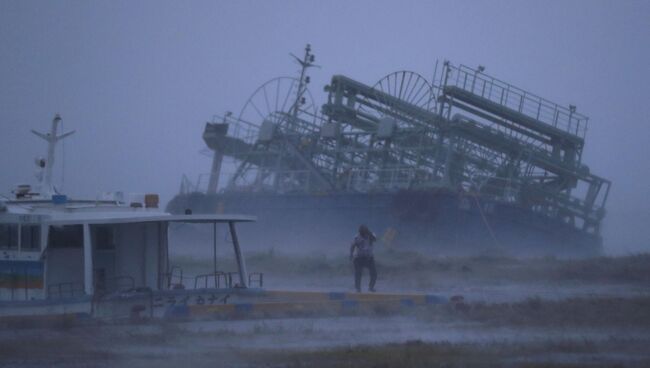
pixel 30 237
pixel 104 238
pixel 8 236
pixel 70 236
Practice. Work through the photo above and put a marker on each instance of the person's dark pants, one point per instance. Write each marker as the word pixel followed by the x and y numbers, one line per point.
pixel 359 264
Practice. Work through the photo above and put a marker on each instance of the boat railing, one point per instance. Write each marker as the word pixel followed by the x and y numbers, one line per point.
pixel 135 302
pixel 221 279
pixel 216 277
pixel 364 180
pixel 63 290
pixel 173 278
pixel 115 284
pixel 508 96
pixel 256 277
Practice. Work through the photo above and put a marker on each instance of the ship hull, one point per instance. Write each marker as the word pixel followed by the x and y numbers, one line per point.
pixel 444 222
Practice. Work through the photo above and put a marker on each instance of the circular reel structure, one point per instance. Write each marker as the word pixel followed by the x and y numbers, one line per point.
pixel 409 87
pixel 277 102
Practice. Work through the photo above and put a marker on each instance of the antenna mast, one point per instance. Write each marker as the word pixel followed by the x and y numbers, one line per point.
pixel 51 138
pixel 306 63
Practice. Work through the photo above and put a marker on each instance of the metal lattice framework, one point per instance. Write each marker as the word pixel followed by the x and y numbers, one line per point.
pixel 467 132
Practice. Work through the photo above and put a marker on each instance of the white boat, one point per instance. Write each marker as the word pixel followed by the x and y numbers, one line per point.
pixel 63 256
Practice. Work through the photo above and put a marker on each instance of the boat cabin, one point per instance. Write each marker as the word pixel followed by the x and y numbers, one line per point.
pixel 66 249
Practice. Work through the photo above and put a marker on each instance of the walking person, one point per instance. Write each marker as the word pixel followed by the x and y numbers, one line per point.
pixel 361 253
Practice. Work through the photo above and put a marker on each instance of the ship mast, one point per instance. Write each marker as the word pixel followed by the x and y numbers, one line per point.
pixel 52 139
pixel 306 63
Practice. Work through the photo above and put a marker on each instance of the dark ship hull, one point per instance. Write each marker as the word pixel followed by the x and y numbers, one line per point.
pixel 441 221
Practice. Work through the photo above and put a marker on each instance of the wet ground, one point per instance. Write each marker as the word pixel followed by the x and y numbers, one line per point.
pixel 537 312
pixel 420 339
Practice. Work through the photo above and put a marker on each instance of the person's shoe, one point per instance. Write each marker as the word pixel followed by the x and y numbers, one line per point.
pixel 372 290
pixel 358 290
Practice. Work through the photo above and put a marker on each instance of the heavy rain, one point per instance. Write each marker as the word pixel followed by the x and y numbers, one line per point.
pixel 216 183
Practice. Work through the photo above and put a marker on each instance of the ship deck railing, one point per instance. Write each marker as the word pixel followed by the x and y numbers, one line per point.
pixel 517 99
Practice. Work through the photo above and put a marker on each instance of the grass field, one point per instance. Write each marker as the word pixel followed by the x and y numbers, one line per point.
pixel 628 269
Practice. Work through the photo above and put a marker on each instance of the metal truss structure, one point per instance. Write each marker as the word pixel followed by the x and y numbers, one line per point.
pixel 464 132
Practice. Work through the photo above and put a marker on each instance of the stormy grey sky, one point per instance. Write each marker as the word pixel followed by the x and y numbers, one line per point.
pixel 138 79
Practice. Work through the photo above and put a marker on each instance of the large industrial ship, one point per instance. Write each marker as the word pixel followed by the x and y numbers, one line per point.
pixel 462 163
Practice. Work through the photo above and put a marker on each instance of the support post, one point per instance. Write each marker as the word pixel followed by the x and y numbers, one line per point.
pixel 217 159
pixel 88 261
pixel 43 247
pixel 214 248
pixel 241 265
pixel 20 237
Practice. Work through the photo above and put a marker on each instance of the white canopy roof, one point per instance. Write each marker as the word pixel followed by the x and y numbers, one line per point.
pixel 126 218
